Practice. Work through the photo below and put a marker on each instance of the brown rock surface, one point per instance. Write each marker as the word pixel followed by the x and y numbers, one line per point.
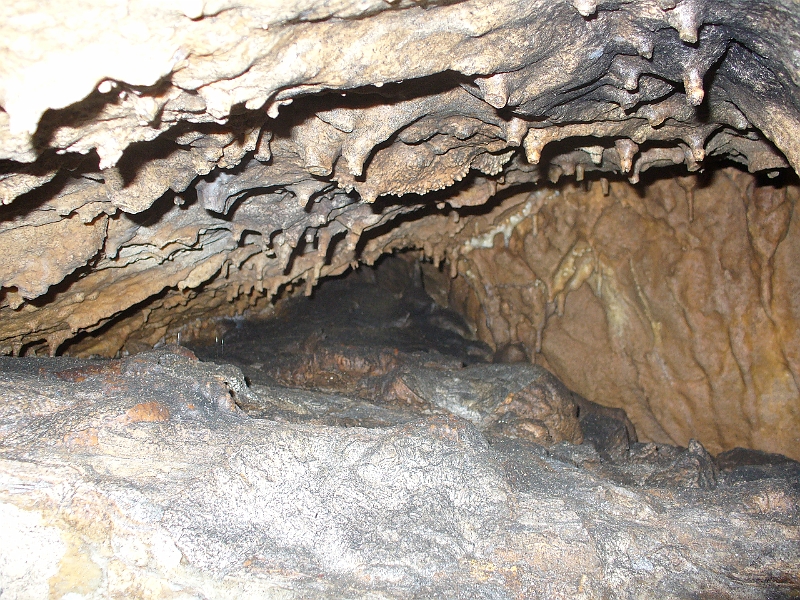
pixel 164 163
pixel 604 188
pixel 627 299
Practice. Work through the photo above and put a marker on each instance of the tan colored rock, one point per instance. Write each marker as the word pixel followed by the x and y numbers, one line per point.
pixel 164 163
pixel 35 258
pixel 637 306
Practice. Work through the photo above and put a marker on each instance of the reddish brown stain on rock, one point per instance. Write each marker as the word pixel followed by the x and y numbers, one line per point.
pixel 146 412
pixel 105 369
pixel 82 438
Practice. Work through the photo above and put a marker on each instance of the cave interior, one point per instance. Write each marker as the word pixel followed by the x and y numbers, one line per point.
pixel 400 299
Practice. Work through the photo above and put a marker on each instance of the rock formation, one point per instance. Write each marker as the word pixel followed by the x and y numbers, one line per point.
pixel 357 446
pixel 162 163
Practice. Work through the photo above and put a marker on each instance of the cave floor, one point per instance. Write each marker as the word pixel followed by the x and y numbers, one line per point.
pixel 360 445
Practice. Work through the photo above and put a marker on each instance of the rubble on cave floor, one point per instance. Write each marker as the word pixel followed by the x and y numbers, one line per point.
pixel 361 445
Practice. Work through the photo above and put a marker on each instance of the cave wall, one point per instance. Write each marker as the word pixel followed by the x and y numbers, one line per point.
pixel 161 163
pixel 689 324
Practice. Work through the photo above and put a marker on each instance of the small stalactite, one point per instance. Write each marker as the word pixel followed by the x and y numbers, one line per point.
pixel 626 150
pixel 688 185
pixel 586 8
pixel 495 90
pixel 693 84
pixel 684 18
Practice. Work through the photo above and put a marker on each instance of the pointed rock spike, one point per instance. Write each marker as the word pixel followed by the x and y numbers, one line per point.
pixel 693 83
pixel 495 89
pixel 534 143
pixel 515 131
pixel 626 149
pixel 684 19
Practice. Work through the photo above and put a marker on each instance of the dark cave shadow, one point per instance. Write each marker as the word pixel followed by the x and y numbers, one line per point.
pixel 423 205
pixel 365 97
pixel 64 348
pixel 88 109
pixel 70 167
pixel 163 205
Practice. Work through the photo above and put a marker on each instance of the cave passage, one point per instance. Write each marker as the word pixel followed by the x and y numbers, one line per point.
pixel 364 430
pixel 400 299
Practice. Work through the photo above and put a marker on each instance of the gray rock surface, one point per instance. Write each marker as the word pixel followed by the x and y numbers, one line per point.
pixel 162 476
pixel 167 162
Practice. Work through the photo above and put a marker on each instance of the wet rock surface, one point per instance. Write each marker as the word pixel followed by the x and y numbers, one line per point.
pixel 379 457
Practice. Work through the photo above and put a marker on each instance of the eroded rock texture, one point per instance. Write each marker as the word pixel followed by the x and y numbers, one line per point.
pixel 165 162
pixel 397 465
pixel 689 324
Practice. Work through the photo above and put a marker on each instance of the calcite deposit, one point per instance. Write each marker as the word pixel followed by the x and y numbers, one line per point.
pixel 608 184
pixel 687 321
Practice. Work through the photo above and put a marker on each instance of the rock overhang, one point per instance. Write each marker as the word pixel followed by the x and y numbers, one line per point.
pixel 192 159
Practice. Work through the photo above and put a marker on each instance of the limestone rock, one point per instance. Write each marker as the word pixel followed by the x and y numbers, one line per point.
pixel 166 163
pixel 144 477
